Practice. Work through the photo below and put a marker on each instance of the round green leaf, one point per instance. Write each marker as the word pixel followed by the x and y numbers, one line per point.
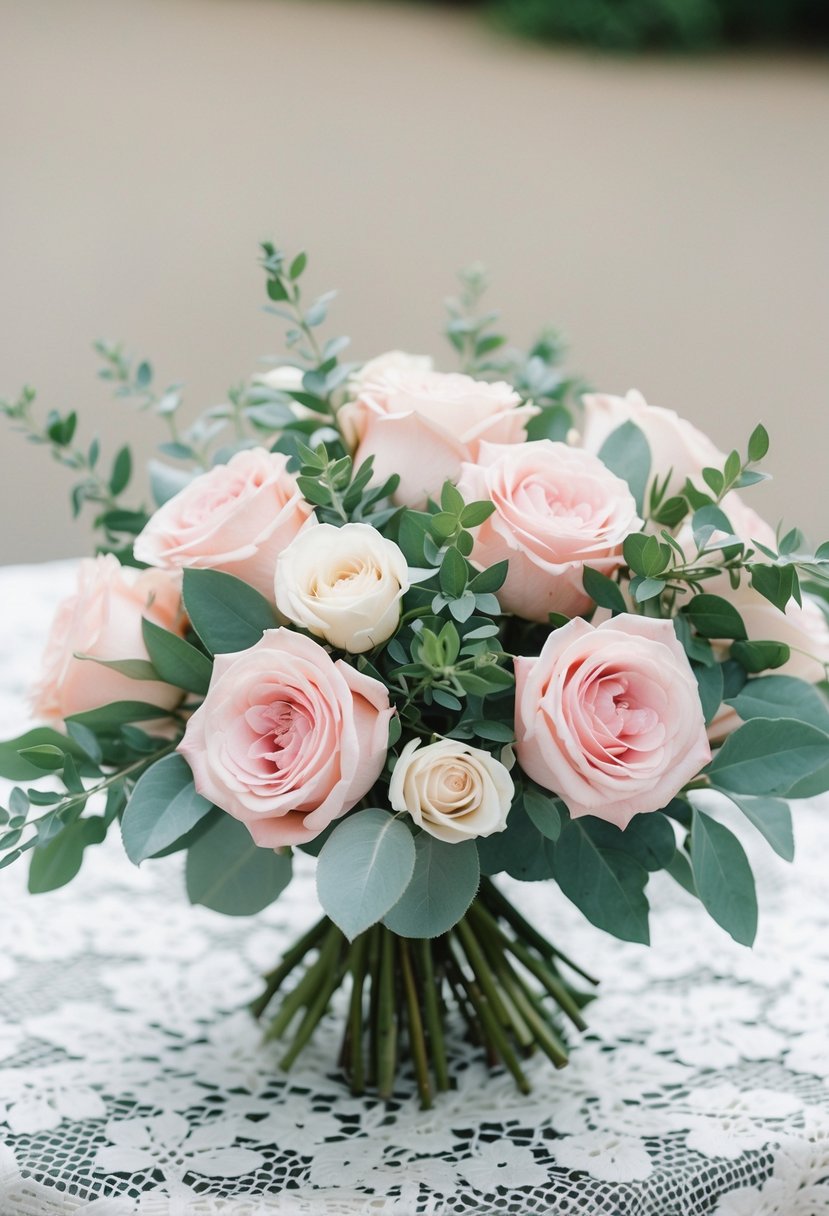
pixel 227 872
pixel 363 869
pixel 163 807
pixel 444 883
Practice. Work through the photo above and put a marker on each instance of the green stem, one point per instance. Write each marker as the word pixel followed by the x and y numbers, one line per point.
pixel 432 1012
pixel 482 971
pixel 416 1037
pixel 303 994
pixel 493 1030
pixel 546 1038
pixel 387 1022
pixel 331 980
pixel 290 960
pixel 358 960
pixel 499 904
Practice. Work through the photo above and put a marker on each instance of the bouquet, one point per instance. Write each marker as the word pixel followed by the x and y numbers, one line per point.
pixel 432 628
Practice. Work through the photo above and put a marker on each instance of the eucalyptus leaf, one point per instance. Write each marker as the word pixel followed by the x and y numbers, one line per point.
pixel 227 614
pixel 363 869
pixel 176 661
pixel 782 697
pixel 773 818
pixel 57 862
pixel 723 878
pixel 626 453
pixel 769 756
pixel 608 886
pixel 443 885
pixel 162 808
pixel 227 872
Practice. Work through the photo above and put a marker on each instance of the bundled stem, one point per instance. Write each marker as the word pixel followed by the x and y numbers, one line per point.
pixel 499 972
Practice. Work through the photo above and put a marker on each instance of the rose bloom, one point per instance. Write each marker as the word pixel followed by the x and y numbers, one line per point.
pixel 557 509
pixel 676 446
pixel 453 791
pixel 238 517
pixel 102 618
pixel 423 425
pixel 609 717
pixel 287 740
pixel 343 584
pixel 390 360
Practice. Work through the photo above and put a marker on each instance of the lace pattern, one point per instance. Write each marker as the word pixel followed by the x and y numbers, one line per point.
pixel 133 1083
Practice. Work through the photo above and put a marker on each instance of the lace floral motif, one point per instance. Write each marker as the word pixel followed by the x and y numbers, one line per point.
pixel 133 1083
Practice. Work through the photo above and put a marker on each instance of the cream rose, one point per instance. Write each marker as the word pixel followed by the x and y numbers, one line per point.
pixel 676 446
pixel 102 618
pixel 609 717
pixel 453 791
pixel 287 740
pixel 423 425
pixel 557 509
pixel 238 517
pixel 390 360
pixel 343 584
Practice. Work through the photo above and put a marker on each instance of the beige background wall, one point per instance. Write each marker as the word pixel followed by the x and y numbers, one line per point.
pixel 671 216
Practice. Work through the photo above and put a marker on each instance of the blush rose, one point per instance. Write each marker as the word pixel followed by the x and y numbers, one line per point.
pixel 102 618
pixel 287 740
pixel 557 509
pixel 422 425
pixel 609 717
pixel 238 517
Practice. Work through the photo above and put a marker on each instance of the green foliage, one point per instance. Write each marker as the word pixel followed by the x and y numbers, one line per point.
pixel 607 885
pixel 57 861
pixel 175 660
pixel 626 453
pixel 723 878
pixel 227 872
pixel 769 756
pixel 227 614
pixel 364 868
pixel 443 885
pixel 163 807
pixel 680 25
pixel 773 818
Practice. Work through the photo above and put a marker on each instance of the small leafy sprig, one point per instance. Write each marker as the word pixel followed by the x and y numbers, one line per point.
pixel 339 493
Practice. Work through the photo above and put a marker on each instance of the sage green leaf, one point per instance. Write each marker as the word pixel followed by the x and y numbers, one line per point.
pixel 443 885
pixel 227 872
pixel 773 818
pixel 755 657
pixel 520 850
pixel 56 863
pixel 226 613
pixel 723 878
pixel 769 756
pixel 649 838
pixel 544 810
pixel 608 886
pixel 133 669
pixel 603 590
pixel 782 697
pixel 111 717
pixel 363 869
pixel 176 661
pixel 714 617
pixel 626 453
pixel 15 767
pixel 162 808
pixel 710 684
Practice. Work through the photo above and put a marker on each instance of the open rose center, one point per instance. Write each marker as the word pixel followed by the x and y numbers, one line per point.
pixel 621 722
pixel 278 732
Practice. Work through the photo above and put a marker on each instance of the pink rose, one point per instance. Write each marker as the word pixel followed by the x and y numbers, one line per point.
pixel 103 619
pixel 676 446
pixel 286 739
pixel 609 717
pixel 238 517
pixel 424 424
pixel 557 509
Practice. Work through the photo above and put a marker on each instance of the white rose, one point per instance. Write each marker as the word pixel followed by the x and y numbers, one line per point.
pixel 343 584
pixel 453 791
pixel 676 446
pixel 287 379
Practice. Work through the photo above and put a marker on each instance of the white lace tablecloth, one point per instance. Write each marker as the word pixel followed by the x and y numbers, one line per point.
pixel 133 1083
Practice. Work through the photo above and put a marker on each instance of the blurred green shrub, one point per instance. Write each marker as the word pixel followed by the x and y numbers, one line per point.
pixel 633 25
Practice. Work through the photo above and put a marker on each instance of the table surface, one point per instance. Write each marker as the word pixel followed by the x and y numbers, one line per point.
pixel 133 1083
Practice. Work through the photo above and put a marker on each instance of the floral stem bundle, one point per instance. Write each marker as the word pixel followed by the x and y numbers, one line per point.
pixel 430 628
